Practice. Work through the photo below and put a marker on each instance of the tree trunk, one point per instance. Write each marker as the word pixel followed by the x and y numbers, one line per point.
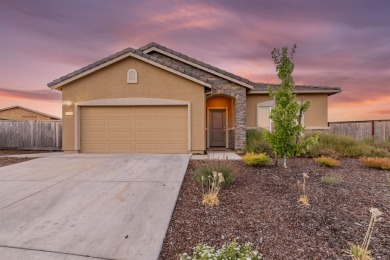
pixel 284 161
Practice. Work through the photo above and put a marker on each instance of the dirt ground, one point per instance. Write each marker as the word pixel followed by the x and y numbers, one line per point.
pixel 4 160
pixel 261 207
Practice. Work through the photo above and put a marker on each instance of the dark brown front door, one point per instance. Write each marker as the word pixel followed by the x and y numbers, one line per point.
pixel 217 127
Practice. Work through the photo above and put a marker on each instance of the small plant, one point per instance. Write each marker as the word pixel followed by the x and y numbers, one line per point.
pixel 356 252
pixel 204 174
pixel 210 198
pixel 304 199
pixel 327 161
pixel 231 251
pixel 330 180
pixel 361 252
pixel 256 142
pixel 376 162
pixel 252 159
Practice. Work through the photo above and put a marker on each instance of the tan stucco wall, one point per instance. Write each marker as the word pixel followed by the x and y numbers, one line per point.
pixel 316 116
pixel 22 114
pixel 153 82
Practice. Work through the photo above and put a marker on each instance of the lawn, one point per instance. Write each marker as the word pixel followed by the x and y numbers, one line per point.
pixel 261 207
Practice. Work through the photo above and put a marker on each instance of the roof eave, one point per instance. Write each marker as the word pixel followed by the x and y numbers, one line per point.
pixel 153 48
pixel 129 54
pixel 322 91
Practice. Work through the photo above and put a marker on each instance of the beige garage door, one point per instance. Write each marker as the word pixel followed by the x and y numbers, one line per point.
pixel 154 129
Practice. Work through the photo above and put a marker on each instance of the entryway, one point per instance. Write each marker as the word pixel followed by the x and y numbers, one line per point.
pixel 220 122
pixel 217 127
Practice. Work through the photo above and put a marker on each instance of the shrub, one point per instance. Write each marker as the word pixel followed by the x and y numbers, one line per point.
pixel 344 146
pixel 204 174
pixel 378 144
pixel 210 199
pixel 379 152
pixel 330 180
pixel 252 159
pixel 327 161
pixel 256 142
pixel 376 162
pixel 231 251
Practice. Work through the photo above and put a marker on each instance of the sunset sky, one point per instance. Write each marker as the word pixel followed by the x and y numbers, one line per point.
pixel 340 44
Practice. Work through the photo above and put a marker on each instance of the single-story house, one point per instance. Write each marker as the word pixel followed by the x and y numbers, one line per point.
pixel 154 99
pixel 23 113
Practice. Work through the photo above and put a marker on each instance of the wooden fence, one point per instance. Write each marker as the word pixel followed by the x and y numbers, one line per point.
pixel 31 135
pixel 377 129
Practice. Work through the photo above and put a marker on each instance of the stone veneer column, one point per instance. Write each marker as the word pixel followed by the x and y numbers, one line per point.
pixel 240 119
pixel 239 94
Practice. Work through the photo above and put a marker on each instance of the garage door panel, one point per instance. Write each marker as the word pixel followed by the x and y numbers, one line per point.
pixel 179 111
pixel 95 122
pixel 120 147
pixel 121 134
pixel 154 121
pixel 142 147
pixel 148 134
pixel 119 111
pixel 121 122
pixel 95 134
pixel 178 134
pixel 174 123
pixel 148 111
pixel 161 129
pixel 97 111
pixel 174 147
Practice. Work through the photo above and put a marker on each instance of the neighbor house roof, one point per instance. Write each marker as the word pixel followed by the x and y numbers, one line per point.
pixel 142 54
pixel 31 110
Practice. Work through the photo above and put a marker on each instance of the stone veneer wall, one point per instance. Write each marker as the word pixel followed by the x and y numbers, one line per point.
pixel 222 86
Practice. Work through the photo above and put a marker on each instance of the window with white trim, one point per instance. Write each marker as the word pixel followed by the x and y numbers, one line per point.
pixel 262 115
pixel 132 77
pixel 264 111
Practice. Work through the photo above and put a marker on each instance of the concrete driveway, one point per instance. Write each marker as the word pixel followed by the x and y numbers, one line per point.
pixel 97 206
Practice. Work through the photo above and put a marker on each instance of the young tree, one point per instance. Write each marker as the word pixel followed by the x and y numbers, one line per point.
pixel 287 113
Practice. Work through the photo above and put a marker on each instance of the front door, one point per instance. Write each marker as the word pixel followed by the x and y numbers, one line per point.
pixel 217 127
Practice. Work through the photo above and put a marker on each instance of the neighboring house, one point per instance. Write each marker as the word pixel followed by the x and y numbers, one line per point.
pixel 154 99
pixel 24 113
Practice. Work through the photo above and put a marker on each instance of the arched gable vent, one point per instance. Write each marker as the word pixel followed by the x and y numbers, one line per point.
pixel 132 76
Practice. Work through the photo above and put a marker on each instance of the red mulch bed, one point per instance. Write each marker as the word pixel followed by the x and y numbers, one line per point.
pixel 4 160
pixel 261 207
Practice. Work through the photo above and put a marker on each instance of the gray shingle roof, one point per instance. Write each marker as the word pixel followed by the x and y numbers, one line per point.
pixel 120 53
pixel 264 87
pixel 140 52
pixel 256 86
pixel 198 62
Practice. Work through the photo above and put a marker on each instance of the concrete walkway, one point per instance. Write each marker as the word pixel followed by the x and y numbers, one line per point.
pixel 212 155
pixel 86 206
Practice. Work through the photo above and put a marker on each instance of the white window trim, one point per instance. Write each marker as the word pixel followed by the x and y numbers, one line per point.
pixel 269 104
pixel 135 80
